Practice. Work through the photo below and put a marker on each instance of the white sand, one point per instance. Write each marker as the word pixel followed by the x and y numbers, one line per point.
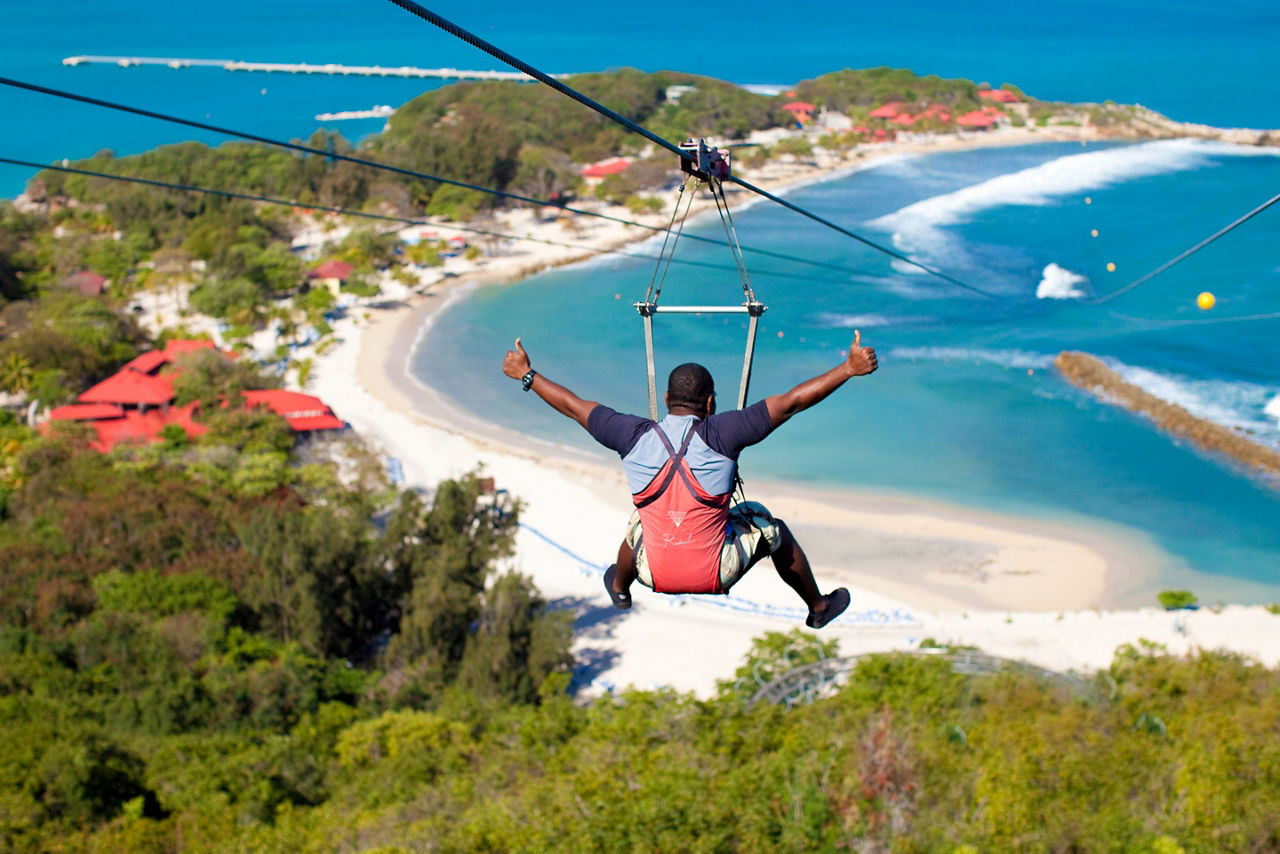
pixel 1012 587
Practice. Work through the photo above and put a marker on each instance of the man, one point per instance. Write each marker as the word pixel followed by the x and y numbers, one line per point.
pixel 683 536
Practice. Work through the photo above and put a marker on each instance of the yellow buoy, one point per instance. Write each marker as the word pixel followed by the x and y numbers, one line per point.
pixel 1206 300
pixel 1111 266
pixel 1094 232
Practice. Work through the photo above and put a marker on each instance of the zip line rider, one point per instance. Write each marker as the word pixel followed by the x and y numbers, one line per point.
pixel 684 537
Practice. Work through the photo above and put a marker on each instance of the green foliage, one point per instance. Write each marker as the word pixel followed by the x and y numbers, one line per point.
pixel 643 204
pixel 850 91
pixel 63 344
pixel 17 252
pixel 457 203
pixel 796 146
pixel 1174 600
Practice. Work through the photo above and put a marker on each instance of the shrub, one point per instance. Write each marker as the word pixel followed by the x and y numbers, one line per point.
pixel 1174 600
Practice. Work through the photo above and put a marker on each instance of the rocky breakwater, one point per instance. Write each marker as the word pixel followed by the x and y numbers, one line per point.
pixel 1089 373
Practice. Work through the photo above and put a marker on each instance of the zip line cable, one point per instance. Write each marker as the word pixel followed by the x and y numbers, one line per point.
pixel 232 194
pixel 1187 254
pixel 502 56
pixel 333 155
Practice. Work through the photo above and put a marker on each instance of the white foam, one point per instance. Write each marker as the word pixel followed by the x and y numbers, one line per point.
pixel 917 227
pixel 1059 283
pixel 1273 409
pixel 835 320
pixel 1236 405
pixel 1003 358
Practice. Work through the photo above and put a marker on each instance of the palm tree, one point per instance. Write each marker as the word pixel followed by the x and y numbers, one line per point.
pixel 15 374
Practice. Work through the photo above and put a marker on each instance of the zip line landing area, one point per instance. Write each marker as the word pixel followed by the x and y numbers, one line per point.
pixel 303 68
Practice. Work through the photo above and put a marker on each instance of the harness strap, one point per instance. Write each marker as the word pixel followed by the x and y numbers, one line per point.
pixel 673 464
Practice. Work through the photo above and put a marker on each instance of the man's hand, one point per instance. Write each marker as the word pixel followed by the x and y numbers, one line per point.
pixel 861 361
pixel 516 363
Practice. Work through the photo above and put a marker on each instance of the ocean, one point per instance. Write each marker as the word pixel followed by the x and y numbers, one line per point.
pixel 966 407
pixel 1212 63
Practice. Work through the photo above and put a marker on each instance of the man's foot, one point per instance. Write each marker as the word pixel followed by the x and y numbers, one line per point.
pixel 622 601
pixel 834 604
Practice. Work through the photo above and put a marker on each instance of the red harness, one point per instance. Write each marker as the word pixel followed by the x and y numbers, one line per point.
pixel 684 529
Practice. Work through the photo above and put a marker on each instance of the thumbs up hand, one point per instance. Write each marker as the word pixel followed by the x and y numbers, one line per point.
pixel 862 360
pixel 516 363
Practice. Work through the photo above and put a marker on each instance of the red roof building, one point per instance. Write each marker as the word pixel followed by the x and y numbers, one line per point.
pixel 303 411
pixel 976 119
pixel 131 388
pixel 135 404
pixel 1002 96
pixel 801 111
pixel 86 282
pixel 606 167
pixel 887 111
pixel 87 412
pixel 339 270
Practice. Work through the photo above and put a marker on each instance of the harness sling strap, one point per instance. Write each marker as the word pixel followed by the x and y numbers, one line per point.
pixel 674 460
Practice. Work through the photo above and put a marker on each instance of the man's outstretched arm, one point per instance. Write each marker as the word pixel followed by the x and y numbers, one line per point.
pixel 860 362
pixel 516 365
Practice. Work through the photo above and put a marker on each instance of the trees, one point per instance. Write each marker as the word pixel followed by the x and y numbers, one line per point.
pixel 66 342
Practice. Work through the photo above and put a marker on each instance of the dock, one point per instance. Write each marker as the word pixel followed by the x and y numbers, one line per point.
pixel 332 68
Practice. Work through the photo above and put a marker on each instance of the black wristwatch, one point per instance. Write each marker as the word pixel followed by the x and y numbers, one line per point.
pixel 526 382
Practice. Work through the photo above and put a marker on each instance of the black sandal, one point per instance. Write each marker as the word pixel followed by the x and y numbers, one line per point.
pixel 837 601
pixel 621 601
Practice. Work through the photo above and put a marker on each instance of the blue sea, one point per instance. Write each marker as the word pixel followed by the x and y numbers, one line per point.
pixel 966 407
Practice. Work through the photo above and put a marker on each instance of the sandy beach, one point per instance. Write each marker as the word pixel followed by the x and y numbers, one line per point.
pixel 1041 593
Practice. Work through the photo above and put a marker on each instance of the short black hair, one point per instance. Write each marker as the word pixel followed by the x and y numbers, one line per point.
pixel 689 386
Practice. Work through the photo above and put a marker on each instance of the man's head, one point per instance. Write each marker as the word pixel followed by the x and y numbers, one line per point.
pixel 691 391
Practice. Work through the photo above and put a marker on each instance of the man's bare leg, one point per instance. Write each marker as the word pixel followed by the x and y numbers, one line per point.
pixel 626 569
pixel 793 567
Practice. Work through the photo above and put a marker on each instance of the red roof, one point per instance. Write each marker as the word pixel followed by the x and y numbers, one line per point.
pixel 976 119
pixel 302 411
pixel 606 167
pixel 1004 96
pixel 331 270
pixel 904 119
pixel 131 387
pixel 86 412
pixel 303 423
pixel 147 363
pixel 887 111
pixel 799 107
pixel 138 428
pixel 87 282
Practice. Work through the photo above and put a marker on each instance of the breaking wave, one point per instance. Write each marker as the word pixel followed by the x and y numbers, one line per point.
pixel 1059 283
pixel 1238 405
pixel 918 227
pixel 1003 358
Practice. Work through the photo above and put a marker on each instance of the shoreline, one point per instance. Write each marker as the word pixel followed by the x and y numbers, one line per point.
pixel 1019 587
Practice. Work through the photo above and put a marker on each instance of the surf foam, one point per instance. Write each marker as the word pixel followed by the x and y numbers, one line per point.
pixel 1059 283
pixel 918 227
pixel 1238 405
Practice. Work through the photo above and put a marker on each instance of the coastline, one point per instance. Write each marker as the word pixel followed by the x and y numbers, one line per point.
pixel 1017 587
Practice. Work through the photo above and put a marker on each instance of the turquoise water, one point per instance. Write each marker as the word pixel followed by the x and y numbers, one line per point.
pixel 1213 63
pixel 966 406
